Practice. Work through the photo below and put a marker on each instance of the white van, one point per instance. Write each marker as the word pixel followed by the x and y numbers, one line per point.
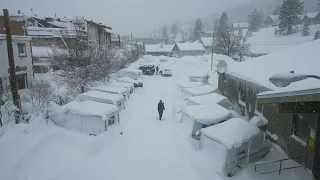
pixel 135 74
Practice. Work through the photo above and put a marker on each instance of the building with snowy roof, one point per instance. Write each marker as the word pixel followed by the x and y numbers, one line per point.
pixel 160 49
pixel 207 43
pixel 241 25
pixel 188 49
pixel 243 81
pixel 313 17
pixel 272 20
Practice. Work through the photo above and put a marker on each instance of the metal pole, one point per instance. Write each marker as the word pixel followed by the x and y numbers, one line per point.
pixel 212 50
pixel 12 69
pixel 280 167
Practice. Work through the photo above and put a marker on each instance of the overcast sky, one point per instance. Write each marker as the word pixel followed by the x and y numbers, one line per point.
pixel 125 16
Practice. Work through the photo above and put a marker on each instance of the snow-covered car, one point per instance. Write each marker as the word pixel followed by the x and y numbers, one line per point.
pixel 166 72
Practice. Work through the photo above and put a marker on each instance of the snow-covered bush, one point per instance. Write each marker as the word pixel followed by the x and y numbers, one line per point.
pixel 306 30
pixel 317 35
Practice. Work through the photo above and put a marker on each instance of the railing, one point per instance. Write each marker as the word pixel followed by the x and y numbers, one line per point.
pixel 281 163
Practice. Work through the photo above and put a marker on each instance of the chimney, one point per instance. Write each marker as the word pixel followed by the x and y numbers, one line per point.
pixel 19 12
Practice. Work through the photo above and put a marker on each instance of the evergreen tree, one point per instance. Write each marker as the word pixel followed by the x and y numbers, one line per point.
pixel 174 29
pixel 277 10
pixel 306 30
pixel 227 42
pixel 198 30
pixel 317 35
pixel 276 31
pixel 165 34
pixel 243 47
pixel 254 21
pixel 289 15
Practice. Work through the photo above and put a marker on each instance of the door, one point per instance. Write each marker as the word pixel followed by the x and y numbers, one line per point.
pixel 316 161
pixel 22 81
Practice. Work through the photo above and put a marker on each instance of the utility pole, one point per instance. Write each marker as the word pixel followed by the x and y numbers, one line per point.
pixel 12 69
pixel 212 49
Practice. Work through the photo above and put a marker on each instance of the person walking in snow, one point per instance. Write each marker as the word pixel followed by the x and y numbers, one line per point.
pixel 160 109
pixel 157 69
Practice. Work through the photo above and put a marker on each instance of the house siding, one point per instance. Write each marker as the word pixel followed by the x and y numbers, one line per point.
pixel 278 123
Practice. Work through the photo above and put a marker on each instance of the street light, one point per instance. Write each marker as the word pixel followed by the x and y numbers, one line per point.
pixel 284 80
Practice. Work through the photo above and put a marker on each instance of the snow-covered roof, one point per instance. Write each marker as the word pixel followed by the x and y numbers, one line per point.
pixel 190 46
pixel 241 130
pixel 285 92
pixel 91 108
pixel 207 113
pixel 99 96
pixel 200 90
pixel 159 48
pixel 126 79
pixel 207 41
pixel 190 84
pixel 41 51
pixel 131 70
pixel 241 25
pixel 208 98
pixel 110 89
pixel 274 17
pixel 302 59
pixel 310 15
pixel 122 84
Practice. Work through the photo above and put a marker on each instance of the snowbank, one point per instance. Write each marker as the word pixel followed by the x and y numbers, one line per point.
pixel 241 130
pixel 207 113
pixel 190 47
pixel 110 89
pixel 257 121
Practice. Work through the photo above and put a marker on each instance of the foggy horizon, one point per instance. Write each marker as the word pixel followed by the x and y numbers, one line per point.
pixel 139 17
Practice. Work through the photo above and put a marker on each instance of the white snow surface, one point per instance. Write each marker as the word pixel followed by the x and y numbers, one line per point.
pixel 301 59
pixel 190 84
pixel 208 98
pixel 207 113
pixel 200 90
pixel 99 97
pixel 91 108
pixel 190 46
pixel 241 130
pixel 147 149
pixel 257 121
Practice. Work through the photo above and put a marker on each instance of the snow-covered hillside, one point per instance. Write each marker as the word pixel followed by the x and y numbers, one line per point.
pixel 265 41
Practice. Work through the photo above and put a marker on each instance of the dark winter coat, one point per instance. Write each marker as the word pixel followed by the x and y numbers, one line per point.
pixel 160 107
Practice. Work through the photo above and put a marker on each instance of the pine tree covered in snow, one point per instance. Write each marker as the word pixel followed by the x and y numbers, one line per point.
pixel 276 31
pixel 165 34
pixel 289 15
pixel 255 21
pixel 244 48
pixel 317 35
pixel 198 30
pixel 174 29
pixel 306 29
pixel 226 40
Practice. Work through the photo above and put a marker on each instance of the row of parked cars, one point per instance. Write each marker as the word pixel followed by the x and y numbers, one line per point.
pixel 219 129
pixel 94 111
pixel 151 70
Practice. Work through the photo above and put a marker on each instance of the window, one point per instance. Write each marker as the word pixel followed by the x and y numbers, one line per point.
pixel 259 107
pixel 22 49
pixel 299 127
pixel 22 81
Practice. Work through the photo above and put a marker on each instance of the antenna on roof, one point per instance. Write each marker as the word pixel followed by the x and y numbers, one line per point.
pixel 55 14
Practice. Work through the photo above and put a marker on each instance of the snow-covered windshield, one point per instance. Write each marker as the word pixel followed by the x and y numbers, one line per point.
pixel 160 89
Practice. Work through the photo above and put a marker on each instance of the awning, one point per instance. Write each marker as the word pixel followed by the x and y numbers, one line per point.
pixel 306 95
